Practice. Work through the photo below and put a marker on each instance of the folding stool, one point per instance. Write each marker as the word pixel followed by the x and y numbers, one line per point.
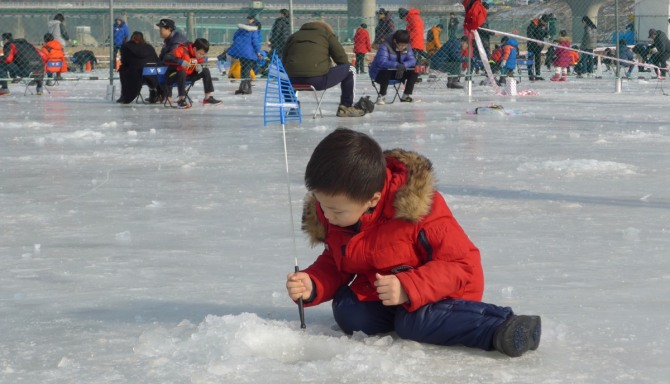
pixel 310 88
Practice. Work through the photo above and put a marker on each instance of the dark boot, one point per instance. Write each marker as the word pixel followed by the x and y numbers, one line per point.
pixel 153 96
pixel 453 83
pixel 245 88
pixel 517 335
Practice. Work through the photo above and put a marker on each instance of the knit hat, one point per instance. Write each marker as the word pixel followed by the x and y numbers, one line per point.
pixel 364 26
pixel 284 12
pixel 381 11
pixel 652 32
pixel 402 12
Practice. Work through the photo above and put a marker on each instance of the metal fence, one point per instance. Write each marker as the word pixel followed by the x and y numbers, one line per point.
pixel 88 27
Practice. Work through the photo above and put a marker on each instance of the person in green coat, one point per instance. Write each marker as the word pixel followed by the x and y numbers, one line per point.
pixel 307 59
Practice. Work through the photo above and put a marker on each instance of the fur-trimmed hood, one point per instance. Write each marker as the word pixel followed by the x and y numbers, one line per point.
pixel 407 195
pixel 247 27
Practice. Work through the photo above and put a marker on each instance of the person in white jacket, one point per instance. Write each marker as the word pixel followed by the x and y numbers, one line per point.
pixel 56 27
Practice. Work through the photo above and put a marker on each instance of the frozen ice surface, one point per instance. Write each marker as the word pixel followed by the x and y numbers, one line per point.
pixel 147 245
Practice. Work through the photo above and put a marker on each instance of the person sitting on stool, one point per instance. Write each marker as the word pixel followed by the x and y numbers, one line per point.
pixel 394 60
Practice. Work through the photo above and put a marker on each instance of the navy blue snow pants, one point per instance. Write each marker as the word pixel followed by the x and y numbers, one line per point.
pixel 447 322
pixel 341 74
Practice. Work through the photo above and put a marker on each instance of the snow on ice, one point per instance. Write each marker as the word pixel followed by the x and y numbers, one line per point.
pixel 148 245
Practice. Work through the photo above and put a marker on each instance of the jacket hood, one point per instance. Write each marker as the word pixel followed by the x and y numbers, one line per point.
pixel 247 27
pixel 411 201
pixel 120 19
pixel 318 25
pixel 512 41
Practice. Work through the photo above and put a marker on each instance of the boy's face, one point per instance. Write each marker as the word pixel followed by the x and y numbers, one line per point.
pixel 340 210
pixel 200 54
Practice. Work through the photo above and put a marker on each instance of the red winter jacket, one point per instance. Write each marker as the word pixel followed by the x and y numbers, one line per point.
pixel 410 233
pixel 184 52
pixel 475 15
pixel 362 41
pixel 414 25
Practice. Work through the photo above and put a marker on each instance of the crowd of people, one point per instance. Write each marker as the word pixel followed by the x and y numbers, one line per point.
pixel 314 55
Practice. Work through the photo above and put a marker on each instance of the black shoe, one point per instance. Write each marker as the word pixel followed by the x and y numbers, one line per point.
pixel 539 78
pixel 406 99
pixel 182 104
pixel 212 101
pixel 517 335
pixel 531 78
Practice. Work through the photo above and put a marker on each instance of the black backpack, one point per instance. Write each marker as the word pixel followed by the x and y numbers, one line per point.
pixel 365 104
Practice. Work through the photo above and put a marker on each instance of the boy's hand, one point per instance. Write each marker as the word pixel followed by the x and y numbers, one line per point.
pixel 390 290
pixel 299 285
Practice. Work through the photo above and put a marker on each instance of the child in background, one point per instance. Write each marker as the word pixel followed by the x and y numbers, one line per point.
pixel 563 59
pixel 54 52
pixel 496 58
pixel 510 49
pixel 361 47
pixel 395 258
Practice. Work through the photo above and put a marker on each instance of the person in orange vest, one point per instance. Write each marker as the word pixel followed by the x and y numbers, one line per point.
pixel 53 50
pixel 361 46
pixel 186 64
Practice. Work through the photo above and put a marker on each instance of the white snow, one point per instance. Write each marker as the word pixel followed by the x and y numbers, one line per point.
pixel 147 245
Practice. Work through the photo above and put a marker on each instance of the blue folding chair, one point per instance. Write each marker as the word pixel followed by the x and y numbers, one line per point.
pixel 55 68
pixel 396 84
pixel 151 71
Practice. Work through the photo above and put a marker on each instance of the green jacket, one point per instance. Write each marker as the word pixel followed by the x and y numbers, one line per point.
pixel 309 51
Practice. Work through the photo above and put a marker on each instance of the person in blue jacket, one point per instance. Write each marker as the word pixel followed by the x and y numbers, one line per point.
pixel 394 60
pixel 450 58
pixel 626 53
pixel 247 49
pixel 510 49
pixel 121 34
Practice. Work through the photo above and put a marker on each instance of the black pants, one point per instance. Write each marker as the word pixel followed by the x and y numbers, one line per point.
pixel 340 74
pixel 180 78
pixel 660 59
pixel 384 77
pixel 360 62
pixel 536 50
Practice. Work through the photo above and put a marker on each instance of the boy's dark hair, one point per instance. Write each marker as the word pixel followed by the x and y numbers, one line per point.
pixel 7 36
pixel 59 17
pixel 347 163
pixel 48 37
pixel 401 36
pixel 201 43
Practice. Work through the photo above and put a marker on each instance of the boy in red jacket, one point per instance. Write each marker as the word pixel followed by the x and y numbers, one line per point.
pixel 361 47
pixel 395 258
pixel 188 59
